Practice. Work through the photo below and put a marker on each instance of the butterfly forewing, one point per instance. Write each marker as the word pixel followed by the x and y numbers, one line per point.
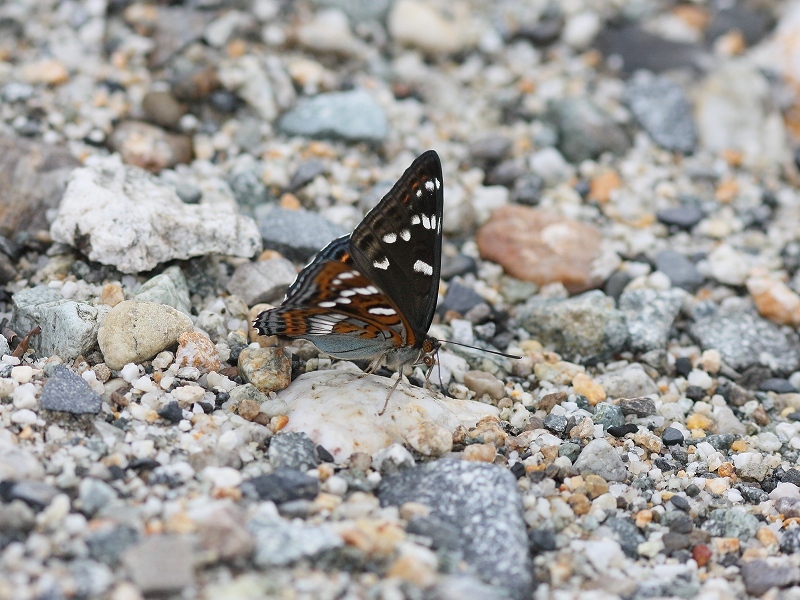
pixel 399 242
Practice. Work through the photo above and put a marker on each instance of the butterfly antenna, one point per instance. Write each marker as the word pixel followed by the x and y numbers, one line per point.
pixel 482 349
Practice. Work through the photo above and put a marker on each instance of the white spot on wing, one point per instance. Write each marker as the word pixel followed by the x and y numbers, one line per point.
pixel 341 300
pixel 381 264
pixel 390 238
pixel 348 293
pixel 430 186
pixel 423 267
pixel 405 235
pixel 438 183
pixel 326 304
pixel 426 222
pixel 348 275
pixel 380 310
pixel 415 220
pixel 433 221
pixel 419 193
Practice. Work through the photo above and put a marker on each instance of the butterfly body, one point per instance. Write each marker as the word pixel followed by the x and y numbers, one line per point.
pixel 372 294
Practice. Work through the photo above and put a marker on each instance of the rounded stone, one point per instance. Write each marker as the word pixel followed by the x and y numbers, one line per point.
pixel 483 383
pixel 195 349
pixel 135 331
pixel 268 369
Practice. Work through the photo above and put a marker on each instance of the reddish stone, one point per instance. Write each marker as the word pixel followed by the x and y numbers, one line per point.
pixel 541 247
pixel 701 554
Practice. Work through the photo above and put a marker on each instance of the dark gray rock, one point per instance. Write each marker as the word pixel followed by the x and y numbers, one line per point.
pixel 16 520
pixel 297 234
pixel 641 407
pixel 672 436
pixel 556 423
pixel 282 485
pixel 744 338
pixel 649 314
pixel 680 270
pixel 683 217
pixel 627 534
pixel 172 412
pixel 293 450
pixel 640 49
pixel 788 507
pixel 94 495
pixel 460 298
pixel 609 415
pixel 353 116
pixel 305 173
pixel 66 391
pixel 491 147
pixel 778 385
pixel 583 328
pixel 790 542
pixel 36 494
pixel 760 576
pixel 483 503
pixel 585 131
pixel 663 110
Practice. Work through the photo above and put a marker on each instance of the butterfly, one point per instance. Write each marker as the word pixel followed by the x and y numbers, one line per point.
pixel 372 294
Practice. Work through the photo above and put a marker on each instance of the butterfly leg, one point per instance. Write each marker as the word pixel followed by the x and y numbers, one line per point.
pixel 374 365
pixel 391 391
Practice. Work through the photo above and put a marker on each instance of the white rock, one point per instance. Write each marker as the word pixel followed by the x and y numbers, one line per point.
pixel 122 216
pixel 701 379
pixel 768 442
pixel 129 372
pixel 22 373
pixel 24 417
pixel 728 266
pixel 395 454
pixel 188 394
pixel 339 410
pixel 7 387
pixel 486 199
pixel 550 165
pixel 222 477
pixel 581 28
pixel 24 396
pixel 420 25
pixel 328 31
pixel 785 490
pixel 90 377
pixel 335 485
pixel 163 360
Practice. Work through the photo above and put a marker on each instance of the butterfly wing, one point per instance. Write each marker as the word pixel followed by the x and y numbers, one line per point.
pixel 399 243
pixel 335 306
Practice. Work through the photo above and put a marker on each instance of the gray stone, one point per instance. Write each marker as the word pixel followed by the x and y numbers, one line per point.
pixel 353 116
pixel 136 331
pixel 262 281
pixel 599 458
pixel 25 308
pixel 168 288
pixel 585 131
pixel 608 415
pixel 685 216
pixel 94 495
pixel 482 502
pixel 280 543
pixel 66 391
pixel 629 382
pixel 16 518
pixel 663 110
pixel 627 534
pixel 120 215
pixel 282 485
pixel 36 494
pixel 641 407
pixel 109 543
pixel 586 327
pixel 556 423
pixel 18 463
pixel 358 10
pixel 297 234
pixel 681 271
pixel 760 576
pixel 731 522
pixel 649 314
pixel 91 578
pixel 744 339
pixel 69 328
pixel 161 564
pixel 293 450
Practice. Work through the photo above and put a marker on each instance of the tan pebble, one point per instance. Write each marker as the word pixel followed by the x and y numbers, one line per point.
pixel 325 502
pixel 269 369
pixel 180 522
pixel 112 294
pixel 409 510
pixel 248 409
pixel 760 416
pixel 601 186
pixel 559 372
pixel 430 439
pixel 699 421
pixel 726 545
pixel 290 201
pixel 726 469
pixel 546 403
pixel 278 422
pixel 586 386
pixel 263 419
pixel 483 383
pixel 48 70
pixel 535 245
pixel 583 429
pixel 102 372
pixel 718 485
pixel 416 572
pixel 648 440
pixel 325 471
pixel 739 446
pixel 373 536
pixel 480 453
pixel 644 518
pixel 195 349
pixel 26 433
pixel 727 191
pixel 731 43
pixel 234 494
pixel 150 147
pixel 695 17
pixel 767 538
pixel 775 300
pixel 579 503
pixel 595 486
pixel 490 431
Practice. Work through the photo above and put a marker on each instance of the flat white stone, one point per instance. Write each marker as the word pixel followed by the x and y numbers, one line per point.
pixel 339 410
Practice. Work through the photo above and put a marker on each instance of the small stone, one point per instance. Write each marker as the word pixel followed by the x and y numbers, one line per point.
pixel 280 543
pixel 169 287
pixel 608 415
pixel 69 328
pixel 196 350
pixel 352 116
pixel 223 535
pixel 641 407
pixel 293 450
pixel 760 576
pixel 283 485
pixel 556 423
pixel 297 234
pixel 586 131
pixel 773 384
pixel 430 439
pixel 66 391
pixel 541 247
pixel 94 495
pixel 480 453
pixel 483 383
pixel 631 381
pixel 423 27
pixel 36 494
pixel 619 431
pixel 682 217
pixel 172 412
pixel 649 315
pixel 248 409
pixel 595 486
pixel 701 554
pixel 599 458
pixel 136 331
pixel 268 369
pixel 150 147
pixel 584 385
pixel 161 564
pixel 262 281
pixel 112 294
pixel 162 108
pixel 107 544
pixel 775 300
pixel 680 270
pixel 672 436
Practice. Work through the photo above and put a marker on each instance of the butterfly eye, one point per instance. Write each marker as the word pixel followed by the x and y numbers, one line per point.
pixel 429 361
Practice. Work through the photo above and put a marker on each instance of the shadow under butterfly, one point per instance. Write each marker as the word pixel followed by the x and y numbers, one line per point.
pixel 372 294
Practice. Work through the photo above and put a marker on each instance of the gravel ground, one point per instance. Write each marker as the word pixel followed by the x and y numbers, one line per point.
pixel 621 211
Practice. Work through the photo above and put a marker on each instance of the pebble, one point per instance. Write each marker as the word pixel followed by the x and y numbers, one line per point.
pixel 352 116
pixel 119 226
pixel 599 458
pixel 681 271
pixel 685 216
pixel 169 287
pixel 628 382
pixel 283 485
pixel 280 543
pixel 482 503
pixel 162 108
pixel 586 327
pixel 483 383
pixel 760 576
pixel 649 315
pixel 541 247
pixel 423 27
pixel 585 130
pixel 136 331
pixel 774 300
pixel 268 369
pixel 293 450
pixel 672 436
pixel 607 415
pixel 262 281
pixel 149 147
pixel 297 234
pixel 160 564
pixel 66 391
pixel 197 350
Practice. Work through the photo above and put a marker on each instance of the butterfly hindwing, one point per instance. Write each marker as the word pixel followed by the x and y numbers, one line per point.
pixel 399 242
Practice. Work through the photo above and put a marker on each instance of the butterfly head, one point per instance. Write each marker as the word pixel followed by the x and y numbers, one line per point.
pixel 429 351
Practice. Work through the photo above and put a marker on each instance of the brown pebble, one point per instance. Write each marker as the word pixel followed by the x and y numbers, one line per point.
pixel 162 108
pixel 701 554
pixel 550 400
pixel 118 396
pixel 760 416
pixel 195 349
pixel 112 294
pixel 726 469
pixel 263 419
pixel 542 247
pixel 579 503
pixel 595 486
pixel 197 84
pixel 480 453
pixel 249 409
pixel 150 147
pixel 102 372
